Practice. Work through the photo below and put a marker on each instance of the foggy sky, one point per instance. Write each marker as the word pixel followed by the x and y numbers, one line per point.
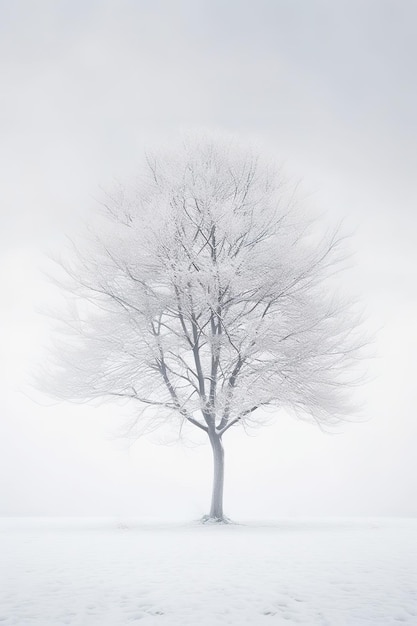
pixel 327 89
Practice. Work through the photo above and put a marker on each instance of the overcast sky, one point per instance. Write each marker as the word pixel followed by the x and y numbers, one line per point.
pixel 328 89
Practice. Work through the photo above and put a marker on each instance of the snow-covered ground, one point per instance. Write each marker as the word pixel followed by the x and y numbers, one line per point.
pixel 88 572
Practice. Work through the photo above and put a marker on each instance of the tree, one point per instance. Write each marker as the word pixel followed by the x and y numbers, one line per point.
pixel 210 296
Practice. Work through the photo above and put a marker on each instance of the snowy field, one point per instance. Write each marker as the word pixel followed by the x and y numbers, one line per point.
pixel 104 573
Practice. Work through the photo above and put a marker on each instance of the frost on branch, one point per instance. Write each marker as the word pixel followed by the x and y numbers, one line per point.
pixel 209 295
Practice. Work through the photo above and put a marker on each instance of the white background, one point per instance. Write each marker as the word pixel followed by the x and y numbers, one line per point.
pixel 326 88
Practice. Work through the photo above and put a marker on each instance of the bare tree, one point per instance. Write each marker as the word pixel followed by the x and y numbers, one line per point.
pixel 210 296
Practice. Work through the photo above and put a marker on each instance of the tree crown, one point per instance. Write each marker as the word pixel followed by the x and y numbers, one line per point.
pixel 210 296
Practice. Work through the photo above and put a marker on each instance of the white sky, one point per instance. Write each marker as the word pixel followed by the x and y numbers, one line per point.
pixel 328 88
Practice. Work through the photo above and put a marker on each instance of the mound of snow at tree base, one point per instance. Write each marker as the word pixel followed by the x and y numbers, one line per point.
pixel 86 572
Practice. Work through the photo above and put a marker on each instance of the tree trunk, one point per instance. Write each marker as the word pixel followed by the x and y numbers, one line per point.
pixel 216 509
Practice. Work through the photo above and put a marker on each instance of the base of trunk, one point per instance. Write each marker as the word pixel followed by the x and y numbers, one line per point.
pixel 207 519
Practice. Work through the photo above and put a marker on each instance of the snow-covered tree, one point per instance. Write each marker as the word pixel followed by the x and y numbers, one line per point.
pixel 210 296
